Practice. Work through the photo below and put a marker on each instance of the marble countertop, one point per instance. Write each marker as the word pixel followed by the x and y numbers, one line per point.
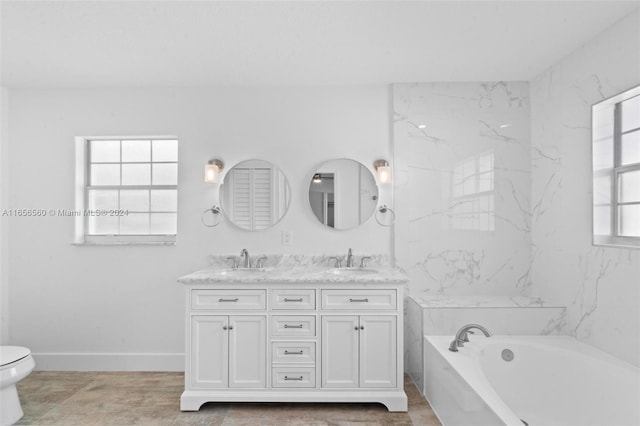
pixel 294 275
pixel 296 269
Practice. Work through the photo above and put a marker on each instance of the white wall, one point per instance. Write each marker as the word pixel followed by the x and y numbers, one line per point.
pixel 4 282
pixel 600 286
pixel 124 300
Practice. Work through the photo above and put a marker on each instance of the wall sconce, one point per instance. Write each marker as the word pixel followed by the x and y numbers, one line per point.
pixel 384 171
pixel 212 171
pixel 317 178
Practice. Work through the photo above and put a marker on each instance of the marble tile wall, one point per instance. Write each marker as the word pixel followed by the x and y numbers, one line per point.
pixel 462 187
pixel 599 285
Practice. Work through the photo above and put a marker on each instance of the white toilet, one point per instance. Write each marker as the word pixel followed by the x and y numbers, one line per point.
pixel 16 364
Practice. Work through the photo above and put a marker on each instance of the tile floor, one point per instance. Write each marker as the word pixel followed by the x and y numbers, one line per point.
pixel 126 398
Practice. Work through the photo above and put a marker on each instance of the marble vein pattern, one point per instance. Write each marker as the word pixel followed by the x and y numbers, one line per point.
pixel 462 192
pixel 599 285
pixel 296 270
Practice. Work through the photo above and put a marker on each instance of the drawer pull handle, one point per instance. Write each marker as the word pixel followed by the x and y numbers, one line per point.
pixel 366 300
pixel 299 299
pixel 293 326
pixel 293 353
pixel 293 378
pixel 228 300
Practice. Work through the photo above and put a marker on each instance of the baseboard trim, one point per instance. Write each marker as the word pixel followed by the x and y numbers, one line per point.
pixel 109 361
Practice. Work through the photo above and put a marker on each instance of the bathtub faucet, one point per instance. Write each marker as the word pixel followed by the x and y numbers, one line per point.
pixel 461 336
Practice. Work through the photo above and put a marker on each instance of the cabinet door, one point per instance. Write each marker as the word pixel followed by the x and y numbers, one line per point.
pixel 248 351
pixel 340 351
pixel 209 351
pixel 378 350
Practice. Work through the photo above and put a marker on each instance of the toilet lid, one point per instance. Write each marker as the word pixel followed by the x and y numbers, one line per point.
pixel 9 354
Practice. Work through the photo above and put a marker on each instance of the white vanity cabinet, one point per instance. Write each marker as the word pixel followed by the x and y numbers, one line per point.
pixel 359 351
pixel 294 342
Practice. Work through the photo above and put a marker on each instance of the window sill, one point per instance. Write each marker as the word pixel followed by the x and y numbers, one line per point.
pixel 621 243
pixel 125 243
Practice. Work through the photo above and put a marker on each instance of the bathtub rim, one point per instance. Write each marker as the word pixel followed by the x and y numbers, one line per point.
pixel 467 360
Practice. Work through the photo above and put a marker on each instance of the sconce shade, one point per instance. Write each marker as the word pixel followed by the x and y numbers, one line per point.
pixel 317 178
pixel 384 171
pixel 212 171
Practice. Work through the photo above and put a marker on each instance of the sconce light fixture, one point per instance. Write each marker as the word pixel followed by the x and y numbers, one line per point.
pixel 212 170
pixel 317 178
pixel 384 170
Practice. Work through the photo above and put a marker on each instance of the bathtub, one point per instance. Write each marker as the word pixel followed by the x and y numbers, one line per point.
pixel 550 380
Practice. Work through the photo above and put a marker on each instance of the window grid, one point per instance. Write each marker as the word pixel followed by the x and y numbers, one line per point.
pixel 615 234
pixel 147 231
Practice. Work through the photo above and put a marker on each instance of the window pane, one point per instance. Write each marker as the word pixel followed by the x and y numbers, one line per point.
pixel 164 200
pixel 163 223
pixel 603 154
pixel 630 113
pixel 136 174
pixel 629 221
pixel 602 190
pixel 105 151
pixel 485 163
pixel 135 223
pixel 485 182
pixel 137 200
pixel 136 151
pixel 165 150
pixel 103 199
pixel 165 174
pixel 103 225
pixel 629 184
pixel 603 120
pixel 630 148
pixel 602 220
pixel 105 174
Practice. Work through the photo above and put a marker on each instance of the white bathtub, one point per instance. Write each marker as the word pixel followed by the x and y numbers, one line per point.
pixel 552 380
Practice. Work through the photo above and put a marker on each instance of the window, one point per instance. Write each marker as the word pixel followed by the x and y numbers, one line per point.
pixel 129 190
pixel 472 204
pixel 616 170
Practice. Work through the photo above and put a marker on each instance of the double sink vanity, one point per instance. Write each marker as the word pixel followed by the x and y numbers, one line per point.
pixel 295 329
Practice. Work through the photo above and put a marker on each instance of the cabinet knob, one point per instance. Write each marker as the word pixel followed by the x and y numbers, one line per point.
pixel 224 327
pixel 356 328
pixel 230 327
pixel 362 327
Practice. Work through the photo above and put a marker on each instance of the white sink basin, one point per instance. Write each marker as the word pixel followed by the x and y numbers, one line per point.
pixel 352 271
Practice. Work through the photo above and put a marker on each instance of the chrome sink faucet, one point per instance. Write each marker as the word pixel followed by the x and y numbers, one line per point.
pixel 247 260
pixel 350 259
pixel 461 336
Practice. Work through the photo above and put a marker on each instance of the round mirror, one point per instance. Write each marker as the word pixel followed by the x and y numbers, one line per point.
pixel 342 194
pixel 255 195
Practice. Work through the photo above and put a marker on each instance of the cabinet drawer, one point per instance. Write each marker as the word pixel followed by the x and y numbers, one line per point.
pixel 359 299
pixel 228 299
pixel 293 377
pixel 290 325
pixel 293 299
pixel 293 352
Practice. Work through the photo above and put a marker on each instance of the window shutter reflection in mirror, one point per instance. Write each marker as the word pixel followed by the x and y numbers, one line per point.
pixel 255 195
